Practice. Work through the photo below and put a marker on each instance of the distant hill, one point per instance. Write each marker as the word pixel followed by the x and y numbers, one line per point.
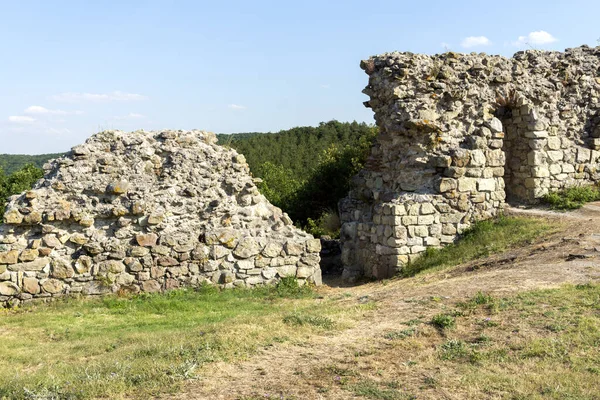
pixel 13 162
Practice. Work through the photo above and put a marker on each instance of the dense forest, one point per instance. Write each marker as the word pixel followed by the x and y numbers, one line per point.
pixel 307 170
pixel 304 170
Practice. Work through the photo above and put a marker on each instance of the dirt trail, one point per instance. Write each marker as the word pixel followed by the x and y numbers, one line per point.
pixel 570 256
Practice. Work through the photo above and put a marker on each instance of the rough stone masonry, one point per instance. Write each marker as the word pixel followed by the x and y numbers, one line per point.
pixel 459 134
pixel 147 211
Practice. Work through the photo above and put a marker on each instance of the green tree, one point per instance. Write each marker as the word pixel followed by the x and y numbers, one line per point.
pixel 17 182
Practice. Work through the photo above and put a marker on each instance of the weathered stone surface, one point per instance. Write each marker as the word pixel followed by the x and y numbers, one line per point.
pixel 462 141
pixel 61 269
pixel 146 240
pixel 35 265
pixel 31 285
pixel 52 286
pixel 8 289
pixel 9 257
pixel 247 247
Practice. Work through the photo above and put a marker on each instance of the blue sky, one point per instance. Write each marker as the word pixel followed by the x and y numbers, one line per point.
pixel 71 68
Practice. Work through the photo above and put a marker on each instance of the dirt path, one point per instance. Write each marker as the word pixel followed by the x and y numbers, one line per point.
pixel 290 371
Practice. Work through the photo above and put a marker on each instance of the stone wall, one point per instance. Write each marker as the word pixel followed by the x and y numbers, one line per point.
pixel 459 133
pixel 147 211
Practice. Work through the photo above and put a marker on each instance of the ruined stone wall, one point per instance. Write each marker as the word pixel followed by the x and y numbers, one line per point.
pixel 459 133
pixel 147 211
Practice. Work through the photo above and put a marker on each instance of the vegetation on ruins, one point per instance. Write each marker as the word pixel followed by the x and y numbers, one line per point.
pixel 572 198
pixel 484 238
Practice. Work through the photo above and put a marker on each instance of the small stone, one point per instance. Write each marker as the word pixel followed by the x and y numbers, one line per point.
pixel 52 286
pixel 13 216
pixel 117 188
pixel 31 285
pixel 9 257
pixel 29 255
pixel 8 289
pixel 146 240
pixel 246 248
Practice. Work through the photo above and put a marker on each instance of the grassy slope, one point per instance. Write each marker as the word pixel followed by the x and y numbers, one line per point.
pixel 149 344
pixel 542 344
pixel 482 239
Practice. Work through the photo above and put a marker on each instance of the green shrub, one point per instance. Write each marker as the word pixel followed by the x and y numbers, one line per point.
pixel 572 198
pixel 443 321
pixel 17 182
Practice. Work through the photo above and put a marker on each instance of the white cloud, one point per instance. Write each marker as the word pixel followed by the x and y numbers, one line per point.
pixel 21 119
pixel 39 110
pixel 474 41
pixel 236 107
pixel 326 86
pixel 130 116
pixel 535 38
pixel 58 132
pixel 98 97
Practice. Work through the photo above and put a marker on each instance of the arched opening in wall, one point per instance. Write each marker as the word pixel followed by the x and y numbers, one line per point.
pixel 516 147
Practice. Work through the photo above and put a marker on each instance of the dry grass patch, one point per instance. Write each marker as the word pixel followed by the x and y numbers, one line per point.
pixel 543 344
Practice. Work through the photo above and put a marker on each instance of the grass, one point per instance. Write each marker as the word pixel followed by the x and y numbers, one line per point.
pixel 148 344
pixel 541 344
pixel 482 239
pixel 572 198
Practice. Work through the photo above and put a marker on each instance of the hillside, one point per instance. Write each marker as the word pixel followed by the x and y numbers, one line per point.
pixel 13 162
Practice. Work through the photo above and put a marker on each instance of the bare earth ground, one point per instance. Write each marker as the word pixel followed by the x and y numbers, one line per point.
pixel 297 370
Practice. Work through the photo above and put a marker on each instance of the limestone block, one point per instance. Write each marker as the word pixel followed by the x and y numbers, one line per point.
pixel 486 185
pixel 568 169
pixel 495 158
pixel 13 216
pixel 467 184
pixel 447 185
pixel 478 158
pixel 36 265
pixel 427 208
pixel 536 158
pixel 555 155
pixel 536 134
pixel 426 219
pixel 31 286
pixel 61 269
pixel 540 172
pixel 583 155
pixel 146 240
pixel 554 143
pixel 8 289
pixel 9 257
pixel 272 249
pixel 247 247
pixel 52 286
pixel 313 245
pixel 431 241
pixel 292 248
pixel 495 125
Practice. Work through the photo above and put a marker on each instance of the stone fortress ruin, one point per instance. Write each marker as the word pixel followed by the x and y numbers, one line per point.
pixel 460 135
pixel 147 211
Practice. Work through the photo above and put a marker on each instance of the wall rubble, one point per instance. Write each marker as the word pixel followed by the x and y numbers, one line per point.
pixel 147 212
pixel 459 133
